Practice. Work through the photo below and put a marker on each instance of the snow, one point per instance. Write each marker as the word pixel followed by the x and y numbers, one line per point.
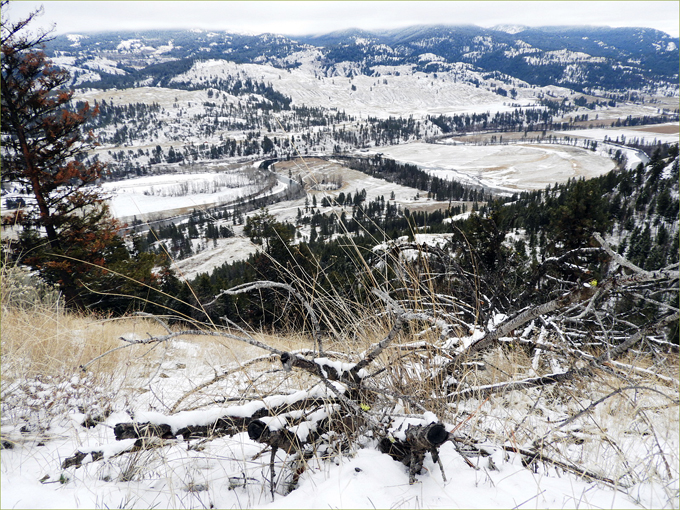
pixel 645 134
pixel 180 191
pixel 563 56
pixel 316 170
pixel 233 472
pixel 341 368
pixel 510 29
pixel 108 450
pixel 406 93
pixel 227 251
pixel 360 483
pixel 103 65
pixel 434 240
pixel 226 473
pixel 133 45
pixel 188 418
pixel 366 479
pixel 513 167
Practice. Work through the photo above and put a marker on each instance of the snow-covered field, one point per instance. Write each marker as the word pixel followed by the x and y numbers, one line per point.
pixel 513 167
pixel 164 97
pixel 662 133
pixel 179 192
pixel 622 110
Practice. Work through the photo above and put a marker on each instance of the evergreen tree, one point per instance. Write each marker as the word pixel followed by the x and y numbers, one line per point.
pixel 43 150
pixel 581 211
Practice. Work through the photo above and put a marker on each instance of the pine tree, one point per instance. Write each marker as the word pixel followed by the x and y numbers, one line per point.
pixel 68 235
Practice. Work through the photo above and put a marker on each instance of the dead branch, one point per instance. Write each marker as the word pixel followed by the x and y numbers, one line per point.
pixel 574 297
pixel 595 363
pixel 242 366
pixel 376 349
pixel 531 456
pixel 247 287
pixel 651 275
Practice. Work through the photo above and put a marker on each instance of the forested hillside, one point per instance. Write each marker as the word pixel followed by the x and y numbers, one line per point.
pixel 583 58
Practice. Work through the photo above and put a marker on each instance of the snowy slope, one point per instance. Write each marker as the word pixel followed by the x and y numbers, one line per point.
pixel 393 91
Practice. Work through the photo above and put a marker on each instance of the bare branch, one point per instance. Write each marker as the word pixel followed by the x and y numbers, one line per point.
pixel 247 287
pixel 607 356
pixel 396 327
pixel 651 275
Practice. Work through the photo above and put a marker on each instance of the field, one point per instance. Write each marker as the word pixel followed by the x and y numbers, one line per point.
pixel 508 167
pixel 175 193
pixel 663 133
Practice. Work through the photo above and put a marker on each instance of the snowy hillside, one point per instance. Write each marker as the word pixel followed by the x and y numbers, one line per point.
pixel 577 57
pixel 387 91
pixel 432 267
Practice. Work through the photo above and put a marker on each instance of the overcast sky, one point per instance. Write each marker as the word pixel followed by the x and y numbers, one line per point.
pixel 313 17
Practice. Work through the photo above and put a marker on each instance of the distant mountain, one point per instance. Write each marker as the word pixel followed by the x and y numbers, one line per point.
pixel 581 58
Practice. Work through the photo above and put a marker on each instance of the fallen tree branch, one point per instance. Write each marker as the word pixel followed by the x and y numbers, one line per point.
pixel 531 456
pixel 651 275
pixel 607 356
pixel 575 296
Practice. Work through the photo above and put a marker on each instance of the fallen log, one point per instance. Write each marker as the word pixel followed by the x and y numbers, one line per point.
pixel 419 441
pixel 234 420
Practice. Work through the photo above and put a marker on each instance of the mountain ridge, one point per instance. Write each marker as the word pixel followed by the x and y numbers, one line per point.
pixel 581 58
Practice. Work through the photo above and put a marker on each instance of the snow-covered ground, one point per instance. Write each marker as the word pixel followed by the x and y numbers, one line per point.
pixel 223 251
pixel 513 167
pixel 217 478
pixel 233 472
pixel 394 91
pixel 662 133
pixel 622 110
pixel 164 97
pixel 179 192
